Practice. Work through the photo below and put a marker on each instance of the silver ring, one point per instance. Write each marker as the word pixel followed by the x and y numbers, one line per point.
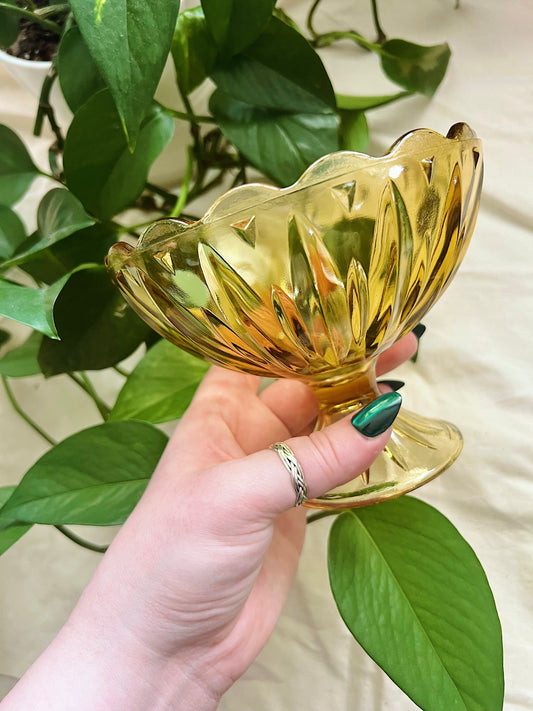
pixel 295 470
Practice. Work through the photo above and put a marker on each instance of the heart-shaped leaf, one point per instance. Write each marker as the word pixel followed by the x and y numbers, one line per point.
pixel 281 145
pixel 279 71
pixel 414 66
pixel 414 595
pixel 9 534
pixel 99 168
pixel 77 72
pixel 233 24
pixel 129 41
pixel 12 232
pixel 161 387
pixel 17 170
pixel 32 307
pixel 96 327
pixel 60 214
pixel 22 361
pixel 193 51
pixel 94 477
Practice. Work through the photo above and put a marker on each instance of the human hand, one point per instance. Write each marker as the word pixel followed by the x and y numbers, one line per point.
pixel 192 586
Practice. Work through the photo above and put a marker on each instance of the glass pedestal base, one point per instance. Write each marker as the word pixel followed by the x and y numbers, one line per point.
pixel 419 449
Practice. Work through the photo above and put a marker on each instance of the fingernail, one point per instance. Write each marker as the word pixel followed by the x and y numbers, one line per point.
pixel 378 416
pixel 419 331
pixel 394 385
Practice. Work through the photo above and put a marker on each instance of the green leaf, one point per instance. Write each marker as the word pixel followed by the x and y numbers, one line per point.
pixel 193 51
pixel 12 232
pixel 77 72
pixel 94 477
pixel 22 361
pixel 96 327
pixel 89 245
pixel 129 41
pixel 233 24
pixel 9 25
pixel 282 15
pixel 161 387
pixel 414 595
pixel 413 66
pixel 5 493
pixel 59 215
pixel 364 103
pixel 281 145
pixel 32 307
pixel 353 131
pixel 9 534
pixel 17 170
pixel 279 71
pixel 99 168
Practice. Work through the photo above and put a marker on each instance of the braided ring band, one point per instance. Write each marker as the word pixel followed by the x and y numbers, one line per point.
pixel 295 470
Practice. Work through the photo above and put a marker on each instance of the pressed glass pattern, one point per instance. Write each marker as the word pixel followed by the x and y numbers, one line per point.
pixel 315 280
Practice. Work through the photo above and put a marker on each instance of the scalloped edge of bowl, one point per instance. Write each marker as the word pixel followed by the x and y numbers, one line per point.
pixel 245 196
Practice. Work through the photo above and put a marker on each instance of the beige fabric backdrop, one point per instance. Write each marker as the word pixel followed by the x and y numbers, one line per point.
pixel 475 369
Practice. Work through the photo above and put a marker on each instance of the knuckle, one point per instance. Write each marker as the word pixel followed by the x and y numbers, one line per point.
pixel 327 455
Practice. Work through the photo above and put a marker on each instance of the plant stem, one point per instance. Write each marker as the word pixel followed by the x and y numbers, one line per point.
pixel 200 190
pixel 182 197
pixel 195 133
pixel 381 36
pixel 189 115
pixel 160 191
pixel 81 541
pixel 59 9
pixel 310 16
pixel 24 415
pixel 240 178
pixel 84 383
pixel 121 371
pixel 330 37
pixel 47 24
pixel 45 109
pixel 51 177
pixel 321 514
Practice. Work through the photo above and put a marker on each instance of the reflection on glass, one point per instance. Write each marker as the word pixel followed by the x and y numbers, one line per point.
pixel 315 280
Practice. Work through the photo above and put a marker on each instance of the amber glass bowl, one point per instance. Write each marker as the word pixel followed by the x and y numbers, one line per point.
pixel 315 280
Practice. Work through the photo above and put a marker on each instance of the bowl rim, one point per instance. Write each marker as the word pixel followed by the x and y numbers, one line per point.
pixel 315 175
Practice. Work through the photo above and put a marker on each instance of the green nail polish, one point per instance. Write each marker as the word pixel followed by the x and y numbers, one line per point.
pixel 392 384
pixel 378 416
pixel 419 330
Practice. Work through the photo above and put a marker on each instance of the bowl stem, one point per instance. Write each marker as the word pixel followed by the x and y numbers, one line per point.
pixel 343 391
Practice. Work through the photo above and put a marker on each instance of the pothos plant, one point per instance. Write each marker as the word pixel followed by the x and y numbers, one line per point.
pixel 408 586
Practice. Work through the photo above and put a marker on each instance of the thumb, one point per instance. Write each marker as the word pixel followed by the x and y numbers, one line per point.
pixel 328 458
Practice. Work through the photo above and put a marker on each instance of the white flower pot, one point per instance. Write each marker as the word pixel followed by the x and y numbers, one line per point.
pixel 30 74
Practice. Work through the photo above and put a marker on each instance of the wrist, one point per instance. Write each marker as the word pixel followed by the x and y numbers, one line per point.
pixel 129 674
pixel 95 666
